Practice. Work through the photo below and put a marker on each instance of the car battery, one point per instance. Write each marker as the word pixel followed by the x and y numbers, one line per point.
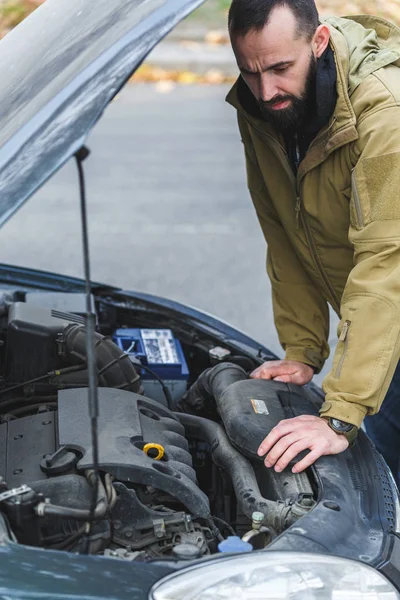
pixel 162 353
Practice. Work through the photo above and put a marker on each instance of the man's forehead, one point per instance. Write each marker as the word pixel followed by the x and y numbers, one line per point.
pixel 266 54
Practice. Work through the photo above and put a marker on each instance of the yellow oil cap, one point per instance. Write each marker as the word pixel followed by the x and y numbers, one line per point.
pixel 158 447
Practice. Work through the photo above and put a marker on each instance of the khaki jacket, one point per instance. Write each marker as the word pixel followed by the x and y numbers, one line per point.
pixel 333 233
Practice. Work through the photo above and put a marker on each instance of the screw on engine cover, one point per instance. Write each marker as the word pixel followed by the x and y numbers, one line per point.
pixel 117 524
pixel 17 472
pixel 18 437
pixel 46 423
pixel 128 533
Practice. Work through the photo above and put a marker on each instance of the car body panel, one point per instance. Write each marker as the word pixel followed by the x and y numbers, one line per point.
pixel 40 574
pixel 27 279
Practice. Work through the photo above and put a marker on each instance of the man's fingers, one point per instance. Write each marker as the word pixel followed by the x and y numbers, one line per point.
pixel 274 368
pixel 267 371
pixel 261 374
pixel 280 449
pixel 283 428
pixel 308 460
pixel 292 451
pixel 286 371
pixel 284 378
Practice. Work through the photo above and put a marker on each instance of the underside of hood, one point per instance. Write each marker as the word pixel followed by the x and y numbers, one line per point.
pixel 60 68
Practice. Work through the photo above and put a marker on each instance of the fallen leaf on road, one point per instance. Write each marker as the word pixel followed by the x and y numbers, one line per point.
pixel 187 77
pixel 164 87
pixel 214 76
pixel 217 37
pixel 147 73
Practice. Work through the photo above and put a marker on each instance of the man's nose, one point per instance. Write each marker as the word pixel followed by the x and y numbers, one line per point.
pixel 268 89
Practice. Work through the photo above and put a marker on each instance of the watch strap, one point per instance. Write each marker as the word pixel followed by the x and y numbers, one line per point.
pixel 350 435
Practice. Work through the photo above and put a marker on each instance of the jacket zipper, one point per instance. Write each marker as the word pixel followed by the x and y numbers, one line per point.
pixel 315 256
pixel 297 209
pixel 298 200
pixel 345 339
pixel 299 214
pixel 357 203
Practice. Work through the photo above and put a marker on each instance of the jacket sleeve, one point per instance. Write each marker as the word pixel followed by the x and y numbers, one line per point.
pixel 301 315
pixel 368 350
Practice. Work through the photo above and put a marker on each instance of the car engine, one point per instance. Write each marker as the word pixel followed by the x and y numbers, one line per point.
pixel 176 477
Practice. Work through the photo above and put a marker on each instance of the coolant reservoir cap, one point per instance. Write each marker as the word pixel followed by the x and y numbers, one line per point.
pixel 186 551
pixel 234 544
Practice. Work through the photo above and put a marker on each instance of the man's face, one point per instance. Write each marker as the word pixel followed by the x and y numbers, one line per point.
pixel 279 67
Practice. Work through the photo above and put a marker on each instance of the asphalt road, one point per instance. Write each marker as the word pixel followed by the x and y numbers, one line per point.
pixel 170 213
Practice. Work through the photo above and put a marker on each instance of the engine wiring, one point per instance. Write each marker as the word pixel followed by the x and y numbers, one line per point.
pixel 139 365
pixel 224 524
pixel 165 389
pixel 55 373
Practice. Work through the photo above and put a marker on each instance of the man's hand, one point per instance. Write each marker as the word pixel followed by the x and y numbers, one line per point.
pixel 292 436
pixel 288 371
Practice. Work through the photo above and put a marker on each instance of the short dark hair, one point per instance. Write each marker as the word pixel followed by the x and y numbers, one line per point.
pixel 247 15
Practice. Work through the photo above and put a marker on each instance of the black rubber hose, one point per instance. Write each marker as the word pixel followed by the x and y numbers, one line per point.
pixel 44 509
pixel 209 387
pixel 114 367
pixel 230 460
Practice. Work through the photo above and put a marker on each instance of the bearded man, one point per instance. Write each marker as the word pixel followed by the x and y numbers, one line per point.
pixel 318 108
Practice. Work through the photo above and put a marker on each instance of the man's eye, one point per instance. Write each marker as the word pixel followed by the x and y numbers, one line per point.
pixel 281 69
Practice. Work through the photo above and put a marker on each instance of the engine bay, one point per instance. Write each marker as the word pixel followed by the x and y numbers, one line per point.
pixel 179 426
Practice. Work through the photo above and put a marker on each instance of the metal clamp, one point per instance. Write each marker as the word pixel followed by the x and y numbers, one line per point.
pixel 14 492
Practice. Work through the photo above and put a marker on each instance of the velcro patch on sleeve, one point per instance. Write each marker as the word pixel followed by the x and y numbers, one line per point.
pixel 381 176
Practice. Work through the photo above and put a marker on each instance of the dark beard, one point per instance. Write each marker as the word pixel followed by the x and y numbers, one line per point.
pixel 289 120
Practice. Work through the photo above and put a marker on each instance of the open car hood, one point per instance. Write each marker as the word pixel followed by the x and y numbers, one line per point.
pixel 60 68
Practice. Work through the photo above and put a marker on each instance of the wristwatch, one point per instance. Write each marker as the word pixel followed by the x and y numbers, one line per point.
pixel 349 431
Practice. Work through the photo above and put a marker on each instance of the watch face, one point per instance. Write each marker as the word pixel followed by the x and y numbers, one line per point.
pixel 341 425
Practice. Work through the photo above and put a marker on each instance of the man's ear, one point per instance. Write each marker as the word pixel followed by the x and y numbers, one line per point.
pixel 320 40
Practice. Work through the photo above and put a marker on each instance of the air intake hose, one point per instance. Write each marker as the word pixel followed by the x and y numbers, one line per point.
pixel 225 456
pixel 249 408
pixel 209 387
pixel 278 515
pixel 114 367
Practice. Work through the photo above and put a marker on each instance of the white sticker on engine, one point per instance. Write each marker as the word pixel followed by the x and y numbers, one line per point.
pixel 259 407
pixel 159 345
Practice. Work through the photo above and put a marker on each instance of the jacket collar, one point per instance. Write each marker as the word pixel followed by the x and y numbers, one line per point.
pixel 341 129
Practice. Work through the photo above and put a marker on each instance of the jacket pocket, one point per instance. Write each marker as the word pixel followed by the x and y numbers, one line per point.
pixel 357 213
pixel 344 341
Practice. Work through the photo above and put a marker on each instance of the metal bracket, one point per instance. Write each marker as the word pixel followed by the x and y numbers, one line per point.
pixel 159 528
pixel 14 492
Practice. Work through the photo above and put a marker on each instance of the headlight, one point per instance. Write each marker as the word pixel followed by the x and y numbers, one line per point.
pixel 277 576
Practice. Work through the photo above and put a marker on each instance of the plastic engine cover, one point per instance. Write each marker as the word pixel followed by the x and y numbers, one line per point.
pixel 127 422
pixel 250 409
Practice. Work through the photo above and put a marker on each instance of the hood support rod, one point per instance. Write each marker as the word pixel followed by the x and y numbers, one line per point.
pixel 93 400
